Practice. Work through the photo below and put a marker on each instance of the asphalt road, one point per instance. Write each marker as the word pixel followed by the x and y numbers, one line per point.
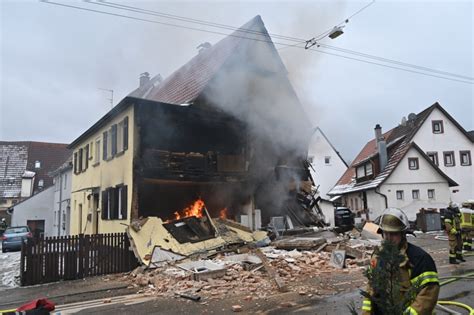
pixel 460 291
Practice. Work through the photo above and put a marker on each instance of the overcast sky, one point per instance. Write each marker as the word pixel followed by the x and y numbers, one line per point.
pixel 55 59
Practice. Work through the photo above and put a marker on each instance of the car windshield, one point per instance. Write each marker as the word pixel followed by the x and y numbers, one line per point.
pixel 16 230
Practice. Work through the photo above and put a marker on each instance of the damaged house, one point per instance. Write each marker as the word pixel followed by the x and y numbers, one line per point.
pixel 223 136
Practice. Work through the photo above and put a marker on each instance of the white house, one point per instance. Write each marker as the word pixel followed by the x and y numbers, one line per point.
pixel 62 199
pixel 327 165
pixel 35 212
pixel 395 170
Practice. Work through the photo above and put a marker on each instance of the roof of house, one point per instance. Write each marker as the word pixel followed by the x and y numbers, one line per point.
pixel 399 141
pixel 471 134
pixel 332 146
pixel 16 157
pixel 188 82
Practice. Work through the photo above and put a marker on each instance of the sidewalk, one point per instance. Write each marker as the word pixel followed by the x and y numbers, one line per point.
pixel 66 292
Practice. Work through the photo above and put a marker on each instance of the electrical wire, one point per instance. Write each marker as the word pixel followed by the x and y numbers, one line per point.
pixel 255 39
pixel 299 41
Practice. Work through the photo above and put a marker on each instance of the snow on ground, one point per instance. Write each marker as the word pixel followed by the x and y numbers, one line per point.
pixel 9 269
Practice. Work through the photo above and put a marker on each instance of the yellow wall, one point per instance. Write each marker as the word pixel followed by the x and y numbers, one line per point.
pixel 118 170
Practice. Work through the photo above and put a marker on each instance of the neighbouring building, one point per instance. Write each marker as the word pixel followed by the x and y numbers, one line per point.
pixel 62 199
pixel 327 166
pixel 25 167
pixel 425 162
pixel 225 128
pixel 36 212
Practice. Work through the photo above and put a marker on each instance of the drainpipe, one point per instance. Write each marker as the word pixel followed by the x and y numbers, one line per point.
pixel 383 195
pixel 60 202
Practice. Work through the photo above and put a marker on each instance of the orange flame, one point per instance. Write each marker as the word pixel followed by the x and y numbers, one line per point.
pixel 223 213
pixel 195 210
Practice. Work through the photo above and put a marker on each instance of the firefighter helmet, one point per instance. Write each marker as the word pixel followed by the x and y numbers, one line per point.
pixel 394 220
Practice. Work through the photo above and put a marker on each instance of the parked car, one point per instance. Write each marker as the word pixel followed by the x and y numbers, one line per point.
pixel 344 218
pixel 13 237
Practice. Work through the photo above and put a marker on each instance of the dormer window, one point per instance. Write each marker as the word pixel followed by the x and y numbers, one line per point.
pixel 40 183
pixel 437 126
pixel 37 164
pixel 364 172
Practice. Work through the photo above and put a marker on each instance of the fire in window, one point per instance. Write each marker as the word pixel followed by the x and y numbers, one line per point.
pixel 437 126
pixel 413 163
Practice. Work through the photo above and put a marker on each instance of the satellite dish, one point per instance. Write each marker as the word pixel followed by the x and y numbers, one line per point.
pixel 411 116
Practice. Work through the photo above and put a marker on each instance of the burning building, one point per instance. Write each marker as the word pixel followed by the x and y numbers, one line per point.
pixel 224 135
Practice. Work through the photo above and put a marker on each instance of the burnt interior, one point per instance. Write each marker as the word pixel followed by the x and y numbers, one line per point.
pixel 190 152
pixel 191 229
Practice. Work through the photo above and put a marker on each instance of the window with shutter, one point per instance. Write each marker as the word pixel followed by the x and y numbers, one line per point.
pixel 124 202
pixel 104 146
pixel 113 195
pixel 103 212
pixel 113 131
pixel 86 162
pixel 75 162
pixel 80 158
pixel 125 133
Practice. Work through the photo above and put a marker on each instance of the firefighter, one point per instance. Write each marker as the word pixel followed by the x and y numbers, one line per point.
pixel 417 267
pixel 452 225
pixel 3 226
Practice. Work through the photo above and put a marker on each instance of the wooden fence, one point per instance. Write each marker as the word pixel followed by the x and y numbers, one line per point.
pixel 75 257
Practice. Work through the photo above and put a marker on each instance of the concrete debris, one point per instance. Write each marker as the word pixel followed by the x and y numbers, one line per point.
pixel 369 231
pixel 236 308
pixel 338 258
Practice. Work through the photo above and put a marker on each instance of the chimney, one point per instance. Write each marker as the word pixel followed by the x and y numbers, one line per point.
pixel 144 79
pixel 381 147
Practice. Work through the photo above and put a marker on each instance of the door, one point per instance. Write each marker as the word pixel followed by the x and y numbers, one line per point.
pixel 95 214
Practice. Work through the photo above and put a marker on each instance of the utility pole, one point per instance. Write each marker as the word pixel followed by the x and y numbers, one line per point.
pixel 111 99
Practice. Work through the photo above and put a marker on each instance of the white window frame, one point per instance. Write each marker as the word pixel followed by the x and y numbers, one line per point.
pixel 415 194
pixel 432 192
pixel 399 194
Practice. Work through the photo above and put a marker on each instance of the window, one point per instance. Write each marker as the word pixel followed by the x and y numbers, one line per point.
pixel 465 157
pixel 65 181
pixel 80 159
pixel 75 162
pixel 86 161
pixel 97 152
pixel 433 157
pixel 449 158
pixel 368 169
pixel 37 164
pixel 327 160
pixel 113 133
pixel 431 194
pixel 104 145
pixel 413 163
pixel 125 133
pixel 365 170
pixel 400 194
pixel 415 194
pixel 114 203
pixel 57 183
pixel 437 126
pixel 40 183
pixel 120 137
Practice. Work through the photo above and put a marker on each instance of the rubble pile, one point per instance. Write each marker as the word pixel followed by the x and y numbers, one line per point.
pixel 293 266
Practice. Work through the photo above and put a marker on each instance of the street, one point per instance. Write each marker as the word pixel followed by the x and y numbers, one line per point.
pixel 9 269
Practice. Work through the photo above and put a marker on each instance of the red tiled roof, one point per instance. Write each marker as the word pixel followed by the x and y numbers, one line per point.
pixel 186 84
pixel 396 152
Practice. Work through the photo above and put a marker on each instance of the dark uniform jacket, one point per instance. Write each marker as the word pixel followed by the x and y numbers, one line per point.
pixel 417 267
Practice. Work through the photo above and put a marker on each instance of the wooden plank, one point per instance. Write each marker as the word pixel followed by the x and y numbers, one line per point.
pixel 271 272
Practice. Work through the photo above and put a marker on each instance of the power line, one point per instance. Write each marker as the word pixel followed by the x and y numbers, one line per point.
pixel 233 35
pixel 384 65
pixel 298 41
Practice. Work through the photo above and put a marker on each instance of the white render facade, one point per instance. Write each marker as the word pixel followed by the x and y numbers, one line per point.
pixel 406 189
pixel 450 141
pixel 62 200
pixel 326 161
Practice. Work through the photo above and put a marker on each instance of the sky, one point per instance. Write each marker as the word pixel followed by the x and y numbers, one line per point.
pixel 55 60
